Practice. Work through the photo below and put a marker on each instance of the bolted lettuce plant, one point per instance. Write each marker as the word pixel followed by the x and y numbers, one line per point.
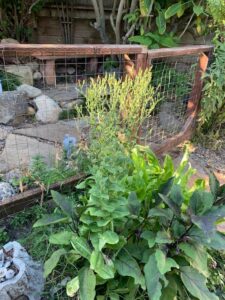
pixel 136 233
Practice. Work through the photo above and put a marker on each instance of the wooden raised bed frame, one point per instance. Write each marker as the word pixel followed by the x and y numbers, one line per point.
pixel 143 59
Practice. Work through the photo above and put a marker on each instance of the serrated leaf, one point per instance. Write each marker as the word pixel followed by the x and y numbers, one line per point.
pixel 72 287
pixel 195 283
pixel 126 265
pixel 50 219
pixel 61 238
pixel 62 202
pixel 161 22
pixel 134 204
pixel 108 237
pixel 198 10
pixel 198 256
pixel 81 246
pixel 105 271
pixel 152 278
pixel 200 202
pixel 173 10
pixel 52 262
pixel 87 283
pixel 149 236
pixel 164 264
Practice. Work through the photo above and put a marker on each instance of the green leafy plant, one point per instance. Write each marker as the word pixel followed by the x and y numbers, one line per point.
pixel 135 235
pixel 9 81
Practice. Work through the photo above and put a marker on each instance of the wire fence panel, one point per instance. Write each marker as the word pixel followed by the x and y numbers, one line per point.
pixel 40 88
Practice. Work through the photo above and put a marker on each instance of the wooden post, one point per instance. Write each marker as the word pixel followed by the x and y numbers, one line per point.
pixel 49 72
pixel 193 103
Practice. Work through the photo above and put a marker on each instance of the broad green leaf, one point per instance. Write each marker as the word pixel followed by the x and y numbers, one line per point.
pixel 87 283
pixel 50 219
pixel 166 187
pixel 108 237
pixel 81 185
pixel 105 271
pixel 81 246
pixel 195 283
pixel 178 229
pixel 173 10
pixel 198 256
pixel 216 240
pixel 164 264
pixel 207 222
pixel 161 212
pixel 176 195
pixel 200 202
pixel 143 40
pixel 163 237
pixel 64 203
pixel 214 185
pixel 198 10
pixel 126 265
pixel 181 11
pixel 171 204
pixel 134 205
pixel 150 237
pixel 61 238
pixel 144 7
pixel 152 279
pixel 52 262
pixel 114 296
pixel 161 22
pixel 72 287
pixel 170 292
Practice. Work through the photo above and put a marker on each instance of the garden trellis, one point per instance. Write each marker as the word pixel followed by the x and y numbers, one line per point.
pixel 35 121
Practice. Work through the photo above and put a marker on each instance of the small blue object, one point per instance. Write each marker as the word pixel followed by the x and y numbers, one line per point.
pixel 1 90
pixel 69 143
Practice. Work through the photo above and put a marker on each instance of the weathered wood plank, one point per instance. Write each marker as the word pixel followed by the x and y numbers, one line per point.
pixel 66 50
pixel 19 202
pixel 179 51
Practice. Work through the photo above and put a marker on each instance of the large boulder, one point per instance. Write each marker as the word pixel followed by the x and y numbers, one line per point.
pixel 13 107
pixel 20 276
pixel 24 72
pixel 9 41
pixel 32 92
pixel 48 109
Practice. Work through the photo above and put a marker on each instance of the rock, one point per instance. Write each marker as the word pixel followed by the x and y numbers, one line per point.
pixel 31 111
pixel 31 91
pixel 72 104
pixel 24 72
pixel 48 109
pixel 6 191
pixel 9 41
pixel 168 121
pixel 28 282
pixel 64 93
pixel 53 132
pixel 12 175
pixel 37 75
pixel 13 107
pixel 33 65
pixel 4 131
pixel 19 150
pixel 71 70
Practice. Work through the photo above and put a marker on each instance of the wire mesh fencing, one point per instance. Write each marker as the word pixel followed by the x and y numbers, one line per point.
pixel 40 90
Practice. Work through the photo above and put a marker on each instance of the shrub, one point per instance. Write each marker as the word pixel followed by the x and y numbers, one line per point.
pixel 136 233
